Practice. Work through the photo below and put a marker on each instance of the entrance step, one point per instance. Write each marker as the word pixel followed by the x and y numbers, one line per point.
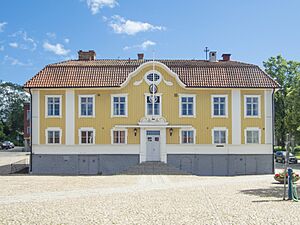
pixel 153 168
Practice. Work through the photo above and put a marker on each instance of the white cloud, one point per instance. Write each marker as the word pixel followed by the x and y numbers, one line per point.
pixel 2 25
pixel 142 46
pixel 122 26
pixel 51 35
pixel 96 5
pixel 66 40
pixel 13 44
pixel 25 42
pixel 1 48
pixel 57 49
pixel 15 62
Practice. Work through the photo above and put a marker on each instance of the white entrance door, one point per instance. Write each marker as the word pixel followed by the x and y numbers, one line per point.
pixel 153 145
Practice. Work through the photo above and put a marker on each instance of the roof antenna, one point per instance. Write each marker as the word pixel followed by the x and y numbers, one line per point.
pixel 206 50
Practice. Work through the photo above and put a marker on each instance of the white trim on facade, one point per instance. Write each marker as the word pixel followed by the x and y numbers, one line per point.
pixel 53 129
pixel 212 106
pixel 180 136
pixel 252 129
pixel 236 116
pixel 160 105
pixel 219 129
pixel 268 116
pixel 70 117
pixel 112 104
pixel 245 106
pixel 35 110
pixel 194 105
pixel 79 106
pixel 60 106
pixel 86 129
pixel 112 136
pixel 153 82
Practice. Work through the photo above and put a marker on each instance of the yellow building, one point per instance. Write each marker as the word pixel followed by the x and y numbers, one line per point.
pixel 211 117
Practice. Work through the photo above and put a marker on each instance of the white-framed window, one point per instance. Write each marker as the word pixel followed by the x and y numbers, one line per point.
pixel 187 136
pixel 153 77
pixel 119 105
pixel 153 105
pixel 53 105
pixel 53 135
pixel 28 115
pixel 119 136
pixel 187 105
pixel 252 106
pixel 86 105
pixel 219 106
pixel 28 130
pixel 219 135
pixel 252 135
pixel 87 135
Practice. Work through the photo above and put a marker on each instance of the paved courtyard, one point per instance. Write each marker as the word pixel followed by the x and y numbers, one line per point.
pixel 159 199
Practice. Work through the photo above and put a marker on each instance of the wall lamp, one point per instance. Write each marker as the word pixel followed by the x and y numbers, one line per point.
pixel 171 131
pixel 135 131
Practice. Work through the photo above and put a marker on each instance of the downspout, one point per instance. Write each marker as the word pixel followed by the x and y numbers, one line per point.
pixel 273 129
pixel 30 167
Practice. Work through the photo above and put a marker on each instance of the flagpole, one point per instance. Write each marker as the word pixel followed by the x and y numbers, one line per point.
pixel 153 100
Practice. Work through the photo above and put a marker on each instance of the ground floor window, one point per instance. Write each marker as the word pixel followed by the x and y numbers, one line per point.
pixel 87 136
pixel 119 136
pixel 219 136
pixel 187 136
pixel 252 136
pixel 53 136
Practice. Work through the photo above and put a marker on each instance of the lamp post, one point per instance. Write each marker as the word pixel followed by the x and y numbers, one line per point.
pixel 287 142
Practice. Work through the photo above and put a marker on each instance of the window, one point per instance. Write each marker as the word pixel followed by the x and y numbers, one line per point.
pixel 119 105
pixel 28 130
pixel 119 136
pixel 187 105
pixel 53 135
pixel 219 105
pixel 153 77
pixel 87 104
pixel 252 106
pixel 187 137
pixel 53 106
pixel 219 136
pixel 28 115
pixel 87 136
pixel 252 135
pixel 153 105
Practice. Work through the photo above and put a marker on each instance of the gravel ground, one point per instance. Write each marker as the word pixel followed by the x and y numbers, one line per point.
pixel 158 199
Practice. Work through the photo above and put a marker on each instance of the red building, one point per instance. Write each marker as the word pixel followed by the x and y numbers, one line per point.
pixel 27 130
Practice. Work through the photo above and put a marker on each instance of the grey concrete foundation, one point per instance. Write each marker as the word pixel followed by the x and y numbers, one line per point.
pixel 82 164
pixel 222 165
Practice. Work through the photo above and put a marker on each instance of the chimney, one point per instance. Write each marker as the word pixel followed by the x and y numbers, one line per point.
pixel 213 56
pixel 87 55
pixel 226 57
pixel 140 56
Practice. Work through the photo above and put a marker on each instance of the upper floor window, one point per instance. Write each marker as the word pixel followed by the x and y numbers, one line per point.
pixel 53 135
pixel 153 77
pixel 252 135
pixel 28 114
pixel 87 136
pixel 87 105
pixel 53 105
pixel 219 105
pixel 119 105
pixel 220 135
pixel 119 136
pixel 187 137
pixel 187 105
pixel 252 103
pixel 153 105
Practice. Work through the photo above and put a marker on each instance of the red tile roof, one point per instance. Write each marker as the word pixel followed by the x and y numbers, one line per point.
pixel 112 73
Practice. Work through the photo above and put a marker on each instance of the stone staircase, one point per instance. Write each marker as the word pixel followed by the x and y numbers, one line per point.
pixel 153 168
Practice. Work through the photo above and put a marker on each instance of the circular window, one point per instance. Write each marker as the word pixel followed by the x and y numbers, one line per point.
pixel 153 77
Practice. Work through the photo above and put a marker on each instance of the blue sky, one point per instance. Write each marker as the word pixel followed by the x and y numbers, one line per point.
pixel 35 33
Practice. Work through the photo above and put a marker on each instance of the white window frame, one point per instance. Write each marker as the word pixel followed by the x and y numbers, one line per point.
pixel 219 129
pixel 187 129
pixel 252 129
pixel 79 106
pixel 160 105
pixel 245 106
pixel 87 129
pixel 112 136
pixel 226 106
pixel 46 106
pixel 153 82
pixel 53 129
pixel 112 104
pixel 28 114
pixel 180 104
